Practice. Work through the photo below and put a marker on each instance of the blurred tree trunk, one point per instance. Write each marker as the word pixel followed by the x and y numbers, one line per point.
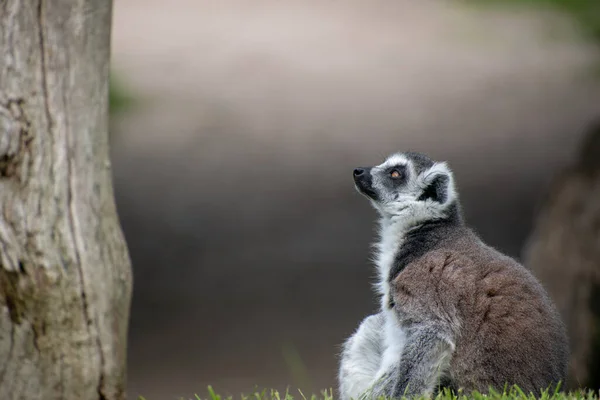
pixel 564 252
pixel 65 273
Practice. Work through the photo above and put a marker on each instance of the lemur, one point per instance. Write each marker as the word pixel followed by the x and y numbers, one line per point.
pixel 455 312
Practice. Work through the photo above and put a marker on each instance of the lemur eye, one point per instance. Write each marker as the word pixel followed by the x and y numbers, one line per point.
pixel 395 174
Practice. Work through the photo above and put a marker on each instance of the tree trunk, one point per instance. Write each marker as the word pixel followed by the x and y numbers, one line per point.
pixel 65 273
pixel 564 252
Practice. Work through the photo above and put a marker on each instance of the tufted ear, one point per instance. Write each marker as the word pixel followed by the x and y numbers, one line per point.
pixel 436 190
pixel 438 185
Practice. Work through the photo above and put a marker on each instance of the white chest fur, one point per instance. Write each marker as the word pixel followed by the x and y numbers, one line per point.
pixel 394 339
pixel 391 238
pixel 391 235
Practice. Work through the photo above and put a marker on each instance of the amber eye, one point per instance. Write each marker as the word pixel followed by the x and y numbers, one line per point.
pixel 395 174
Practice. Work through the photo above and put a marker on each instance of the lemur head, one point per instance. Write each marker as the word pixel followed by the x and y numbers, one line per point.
pixel 409 185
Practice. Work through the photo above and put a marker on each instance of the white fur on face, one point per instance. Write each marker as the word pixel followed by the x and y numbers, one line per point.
pixel 394 202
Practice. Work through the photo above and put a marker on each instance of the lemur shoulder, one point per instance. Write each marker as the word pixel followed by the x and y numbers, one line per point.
pixel 454 311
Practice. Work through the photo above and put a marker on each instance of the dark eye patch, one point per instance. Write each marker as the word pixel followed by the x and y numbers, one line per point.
pixel 400 170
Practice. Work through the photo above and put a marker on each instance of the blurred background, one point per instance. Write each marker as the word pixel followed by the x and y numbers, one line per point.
pixel 235 127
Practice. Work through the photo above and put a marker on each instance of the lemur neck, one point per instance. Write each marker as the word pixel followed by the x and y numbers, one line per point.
pixel 402 242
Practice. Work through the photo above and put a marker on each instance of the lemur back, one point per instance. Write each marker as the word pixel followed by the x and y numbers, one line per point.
pixel 502 326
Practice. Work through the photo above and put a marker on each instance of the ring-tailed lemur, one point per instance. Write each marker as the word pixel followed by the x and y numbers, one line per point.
pixel 454 311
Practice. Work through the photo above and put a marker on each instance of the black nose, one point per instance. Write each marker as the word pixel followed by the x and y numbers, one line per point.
pixel 359 171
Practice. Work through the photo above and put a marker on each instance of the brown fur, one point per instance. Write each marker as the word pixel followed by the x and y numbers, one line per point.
pixel 504 327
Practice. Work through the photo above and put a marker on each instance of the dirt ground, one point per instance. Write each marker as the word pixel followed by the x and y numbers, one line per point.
pixel 233 171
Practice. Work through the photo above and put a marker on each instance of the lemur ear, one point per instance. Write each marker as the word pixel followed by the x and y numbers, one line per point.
pixel 438 184
pixel 436 189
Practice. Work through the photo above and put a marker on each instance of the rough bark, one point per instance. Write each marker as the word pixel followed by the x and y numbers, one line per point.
pixel 65 274
pixel 564 252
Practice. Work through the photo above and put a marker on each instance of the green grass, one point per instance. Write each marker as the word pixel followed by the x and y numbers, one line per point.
pixel 508 394
pixel 119 98
pixel 586 12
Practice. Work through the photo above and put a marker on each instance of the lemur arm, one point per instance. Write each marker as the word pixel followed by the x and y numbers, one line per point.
pixel 361 357
pixel 424 360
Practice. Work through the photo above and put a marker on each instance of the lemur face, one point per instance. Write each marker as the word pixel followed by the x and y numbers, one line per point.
pixel 404 180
